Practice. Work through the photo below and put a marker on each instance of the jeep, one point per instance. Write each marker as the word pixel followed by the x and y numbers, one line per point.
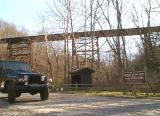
pixel 16 77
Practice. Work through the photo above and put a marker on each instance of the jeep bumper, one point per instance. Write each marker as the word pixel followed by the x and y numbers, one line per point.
pixel 30 88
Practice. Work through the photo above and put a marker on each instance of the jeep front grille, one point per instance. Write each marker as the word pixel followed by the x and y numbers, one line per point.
pixel 34 79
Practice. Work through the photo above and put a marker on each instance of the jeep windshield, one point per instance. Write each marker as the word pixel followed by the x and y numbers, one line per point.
pixel 14 66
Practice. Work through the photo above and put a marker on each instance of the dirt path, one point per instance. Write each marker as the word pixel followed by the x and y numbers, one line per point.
pixel 74 105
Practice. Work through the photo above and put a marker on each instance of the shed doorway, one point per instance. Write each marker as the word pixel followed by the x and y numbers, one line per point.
pixel 76 80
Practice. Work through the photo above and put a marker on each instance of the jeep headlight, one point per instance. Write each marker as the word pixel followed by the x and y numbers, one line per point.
pixel 43 78
pixel 26 77
pixel 2 85
pixel 23 78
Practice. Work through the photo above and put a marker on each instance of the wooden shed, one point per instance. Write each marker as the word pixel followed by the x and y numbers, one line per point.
pixel 82 77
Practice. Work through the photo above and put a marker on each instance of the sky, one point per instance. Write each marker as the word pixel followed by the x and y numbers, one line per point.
pixel 22 13
pixel 26 13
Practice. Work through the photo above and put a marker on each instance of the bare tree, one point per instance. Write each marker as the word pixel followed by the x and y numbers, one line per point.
pixel 8 30
pixel 147 40
pixel 118 44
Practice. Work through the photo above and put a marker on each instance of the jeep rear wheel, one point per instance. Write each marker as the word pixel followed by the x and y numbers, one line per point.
pixel 44 93
pixel 11 92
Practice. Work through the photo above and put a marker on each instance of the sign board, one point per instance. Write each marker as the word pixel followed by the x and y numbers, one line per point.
pixel 134 77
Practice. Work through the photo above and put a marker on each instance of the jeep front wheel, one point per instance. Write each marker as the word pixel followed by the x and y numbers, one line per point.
pixel 11 92
pixel 18 94
pixel 44 93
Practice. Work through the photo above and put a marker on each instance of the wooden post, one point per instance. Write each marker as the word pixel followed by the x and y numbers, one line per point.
pixel 146 82
pixel 124 84
pixel 135 89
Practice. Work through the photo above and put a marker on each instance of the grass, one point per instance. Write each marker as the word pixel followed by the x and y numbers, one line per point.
pixel 116 94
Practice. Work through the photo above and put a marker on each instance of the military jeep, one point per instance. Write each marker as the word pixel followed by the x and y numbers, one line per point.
pixel 16 77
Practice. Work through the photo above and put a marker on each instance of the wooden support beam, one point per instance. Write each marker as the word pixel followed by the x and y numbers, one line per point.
pixel 101 33
pixel 20 51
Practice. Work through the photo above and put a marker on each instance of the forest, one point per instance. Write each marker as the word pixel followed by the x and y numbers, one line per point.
pixel 108 56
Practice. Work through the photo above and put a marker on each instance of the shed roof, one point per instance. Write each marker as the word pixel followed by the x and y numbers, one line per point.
pixel 82 69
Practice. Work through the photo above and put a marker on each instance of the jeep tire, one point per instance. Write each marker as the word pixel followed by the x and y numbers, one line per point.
pixel 11 92
pixel 44 93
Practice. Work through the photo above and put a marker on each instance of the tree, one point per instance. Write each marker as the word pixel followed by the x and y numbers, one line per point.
pixel 148 41
pixel 8 30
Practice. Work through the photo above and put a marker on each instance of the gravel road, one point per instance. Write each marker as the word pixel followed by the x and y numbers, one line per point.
pixel 78 105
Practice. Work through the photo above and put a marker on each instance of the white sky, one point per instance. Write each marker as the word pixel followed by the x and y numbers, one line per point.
pixel 23 13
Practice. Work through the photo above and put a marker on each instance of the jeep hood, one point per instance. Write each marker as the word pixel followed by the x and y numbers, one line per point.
pixel 15 73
